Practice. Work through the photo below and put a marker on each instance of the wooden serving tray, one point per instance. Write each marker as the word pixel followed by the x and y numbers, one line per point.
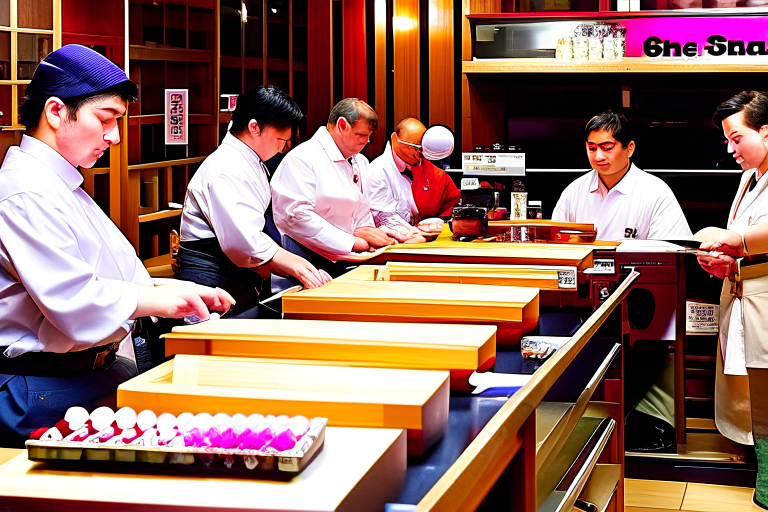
pixel 416 400
pixel 357 469
pixel 365 295
pixel 461 349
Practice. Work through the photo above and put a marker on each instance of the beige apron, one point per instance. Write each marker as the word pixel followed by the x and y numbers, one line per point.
pixel 747 289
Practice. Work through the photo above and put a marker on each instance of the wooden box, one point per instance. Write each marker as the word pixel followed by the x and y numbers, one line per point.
pixel 551 277
pixel 365 294
pixel 358 469
pixel 461 349
pixel 416 400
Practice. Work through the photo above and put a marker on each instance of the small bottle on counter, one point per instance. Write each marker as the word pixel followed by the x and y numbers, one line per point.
pixel 534 210
pixel 519 211
pixel 580 44
pixel 595 51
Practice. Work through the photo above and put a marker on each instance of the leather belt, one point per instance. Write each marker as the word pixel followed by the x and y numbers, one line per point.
pixel 51 364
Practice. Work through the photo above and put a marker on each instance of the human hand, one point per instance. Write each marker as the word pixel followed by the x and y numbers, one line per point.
pixel 431 226
pixel 718 264
pixel 179 299
pixel 374 236
pixel 288 264
pixel 361 245
pixel 405 234
pixel 721 240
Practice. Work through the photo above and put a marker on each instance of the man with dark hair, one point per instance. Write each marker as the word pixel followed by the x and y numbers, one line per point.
pixel 621 200
pixel 223 242
pixel 71 285
pixel 317 192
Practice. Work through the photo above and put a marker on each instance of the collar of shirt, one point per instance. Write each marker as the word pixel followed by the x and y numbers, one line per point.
pixel 329 145
pixel 53 160
pixel 245 150
pixel 624 186
pixel 399 162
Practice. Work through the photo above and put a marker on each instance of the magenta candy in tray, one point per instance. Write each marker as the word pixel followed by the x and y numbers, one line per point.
pixel 267 443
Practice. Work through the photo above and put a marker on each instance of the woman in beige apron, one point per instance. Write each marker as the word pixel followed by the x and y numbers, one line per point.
pixel 740 259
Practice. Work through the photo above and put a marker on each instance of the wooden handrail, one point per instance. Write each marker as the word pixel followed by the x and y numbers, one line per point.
pixel 469 479
pixel 166 163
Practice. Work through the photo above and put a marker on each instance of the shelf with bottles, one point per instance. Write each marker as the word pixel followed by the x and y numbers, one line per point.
pixel 626 65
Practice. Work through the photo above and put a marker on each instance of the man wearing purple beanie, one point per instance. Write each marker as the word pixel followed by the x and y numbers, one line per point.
pixel 71 285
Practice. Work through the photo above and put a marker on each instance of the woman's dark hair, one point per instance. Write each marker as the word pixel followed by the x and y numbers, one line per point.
pixel 33 107
pixel 754 105
pixel 613 123
pixel 269 106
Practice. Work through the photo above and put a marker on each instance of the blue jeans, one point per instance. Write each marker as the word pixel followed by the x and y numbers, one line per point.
pixel 28 403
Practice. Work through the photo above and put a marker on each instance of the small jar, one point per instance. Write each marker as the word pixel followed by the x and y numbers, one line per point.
pixel 580 48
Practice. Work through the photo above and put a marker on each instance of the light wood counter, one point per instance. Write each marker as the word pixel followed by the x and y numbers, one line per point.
pixel 357 470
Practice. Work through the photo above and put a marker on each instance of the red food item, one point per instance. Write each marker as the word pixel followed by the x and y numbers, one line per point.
pixel 132 434
pixel 63 427
pixel 37 434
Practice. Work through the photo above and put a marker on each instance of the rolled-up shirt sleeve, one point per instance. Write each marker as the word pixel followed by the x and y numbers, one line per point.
pixel 47 261
pixel 238 221
pixel 293 207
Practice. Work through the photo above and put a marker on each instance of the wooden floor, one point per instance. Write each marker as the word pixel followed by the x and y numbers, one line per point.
pixel 661 496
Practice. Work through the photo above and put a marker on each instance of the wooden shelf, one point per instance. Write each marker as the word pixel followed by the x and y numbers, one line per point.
pixel 173 54
pixel 162 214
pixel 627 65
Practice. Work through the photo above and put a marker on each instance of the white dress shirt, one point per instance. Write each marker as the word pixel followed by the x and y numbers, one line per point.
pixel 316 199
pixel 750 211
pixel 66 271
pixel 227 198
pixel 640 206
pixel 389 191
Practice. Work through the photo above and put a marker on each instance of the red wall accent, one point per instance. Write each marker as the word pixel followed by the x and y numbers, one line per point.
pixel 355 64
pixel 95 23
pixel 319 62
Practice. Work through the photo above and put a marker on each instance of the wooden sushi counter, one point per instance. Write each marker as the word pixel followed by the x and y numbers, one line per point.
pixel 404 433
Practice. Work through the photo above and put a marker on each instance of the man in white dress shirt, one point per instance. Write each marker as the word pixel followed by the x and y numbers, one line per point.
pixel 621 200
pixel 70 282
pixel 318 199
pixel 223 238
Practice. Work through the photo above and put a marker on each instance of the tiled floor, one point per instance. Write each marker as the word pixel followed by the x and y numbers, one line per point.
pixel 661 496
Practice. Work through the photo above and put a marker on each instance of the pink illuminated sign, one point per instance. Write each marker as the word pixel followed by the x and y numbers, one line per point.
pixel 696 30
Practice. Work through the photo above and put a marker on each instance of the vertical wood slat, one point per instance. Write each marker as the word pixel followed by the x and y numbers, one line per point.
pixel 441 63
pixel 354 66
pixel 263 42
pixel 290 48
pixel 216 71
pixel 319 62
pixel 168 185
pixel 380 67
pixel 405 27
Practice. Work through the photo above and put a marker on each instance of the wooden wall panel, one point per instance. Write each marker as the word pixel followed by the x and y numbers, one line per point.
pixel 319 62
pixel 482 6
pixel 441 63
pixel 405 25
pixel 355 68
pixel 380 80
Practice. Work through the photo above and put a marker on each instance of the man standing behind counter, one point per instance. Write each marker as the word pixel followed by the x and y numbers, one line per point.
pixel 223 242
pixel 70 282
pixel 621 200
pixel 317 191
pixel 404 189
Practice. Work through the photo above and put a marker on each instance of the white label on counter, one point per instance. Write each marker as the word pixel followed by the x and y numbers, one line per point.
pixel 604 266
pixel 288 464
pixel 566 279
pixel 493 164
pixel 701 318
pixel 470 183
